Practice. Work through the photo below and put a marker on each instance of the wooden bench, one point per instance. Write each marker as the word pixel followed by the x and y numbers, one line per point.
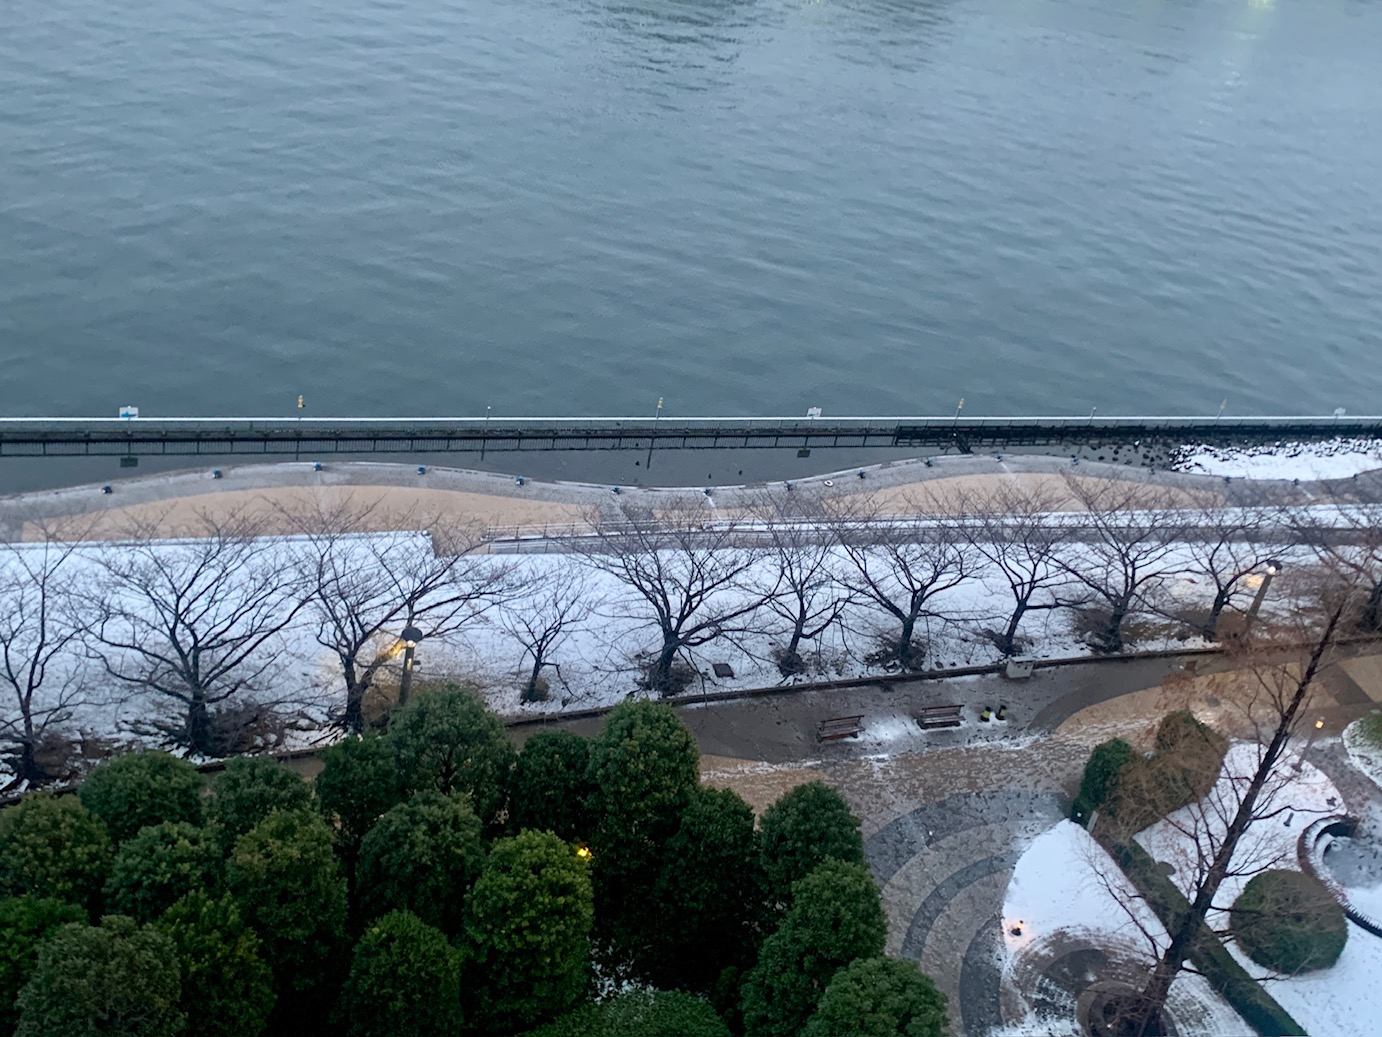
pixel 930 717
pixel 840 727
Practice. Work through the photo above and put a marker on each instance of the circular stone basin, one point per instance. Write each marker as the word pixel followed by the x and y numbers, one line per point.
pixel 1355 862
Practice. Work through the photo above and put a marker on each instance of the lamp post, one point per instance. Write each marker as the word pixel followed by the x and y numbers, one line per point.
pixel 411 636
pixel 1300 760
pixel 1274 566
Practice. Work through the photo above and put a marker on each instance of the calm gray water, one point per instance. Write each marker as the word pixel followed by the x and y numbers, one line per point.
pixel 568 206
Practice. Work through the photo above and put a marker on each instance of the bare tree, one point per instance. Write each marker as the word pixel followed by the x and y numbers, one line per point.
pixel 690 577
pixel 803 588
pixel 900 565
pixel 195 621
pixel 364 590
pixel 1014 530
pixel 1216 832
pixel 1227 546
pixel 41 656
pixel 1346 537
pixel 557 605
pixel 1131 536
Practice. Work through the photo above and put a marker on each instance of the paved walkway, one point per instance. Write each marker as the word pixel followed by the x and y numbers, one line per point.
pixel 947 814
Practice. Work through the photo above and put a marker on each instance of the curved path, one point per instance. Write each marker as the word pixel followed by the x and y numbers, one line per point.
pixel 945 864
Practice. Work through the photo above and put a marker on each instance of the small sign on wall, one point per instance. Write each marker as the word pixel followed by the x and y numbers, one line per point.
pixel 129 412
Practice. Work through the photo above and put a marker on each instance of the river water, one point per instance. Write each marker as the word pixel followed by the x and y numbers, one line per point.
pixel 574 206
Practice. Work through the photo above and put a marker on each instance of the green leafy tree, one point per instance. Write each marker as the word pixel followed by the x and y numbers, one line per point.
pixel 25 922
pixel 640 1013
pixel 52 847
pixel 448 741
pixel 528 931
pixel 130 791
pixel 708 899
pixel 249 790
pixel 644 770
pixel 404 981
pixel 1105 763
pixel 160 865
pixel 422 856
pixel 879 997
pixel 809 825
pixel 227 989
pixel 357 785
pixel 118 979
pixel 1289 922
pixel 288 886
pixel 551 786
pixel 836 916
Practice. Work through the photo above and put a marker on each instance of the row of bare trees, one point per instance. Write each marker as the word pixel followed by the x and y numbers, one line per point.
pixel 201 623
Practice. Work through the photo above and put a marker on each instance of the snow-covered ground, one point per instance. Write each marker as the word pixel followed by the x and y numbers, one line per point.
pixel 1064 884
pixel 598 660
pixel 1066 893
pixel 1364 755
pixel 1336 459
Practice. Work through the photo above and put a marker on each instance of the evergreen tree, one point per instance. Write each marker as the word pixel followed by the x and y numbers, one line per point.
pixel 644 770
pixel 160 865
pixel 288 886
pixel 404 981
pixel 528 932
pixel 25 922
pixel 51 846
pixel 227 989
pixel 132 790
pixel 422 856
pixel 117 980
pixel 809 825
pixel 356 786
pixel 249 790
pixel 708 898
pixel 879 997
pixel 836 916
pixel 447 741
pixel 551 786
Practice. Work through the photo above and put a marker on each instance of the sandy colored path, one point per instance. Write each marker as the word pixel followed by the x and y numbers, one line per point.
pixel 396 495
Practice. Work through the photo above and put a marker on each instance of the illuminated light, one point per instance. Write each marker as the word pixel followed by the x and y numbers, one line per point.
pixel 583 852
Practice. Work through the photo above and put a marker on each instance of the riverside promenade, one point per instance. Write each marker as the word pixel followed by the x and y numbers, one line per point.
pixel 400 496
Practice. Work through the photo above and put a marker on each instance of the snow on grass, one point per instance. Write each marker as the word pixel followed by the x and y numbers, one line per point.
pixel 1293 800
pixel 1363 740
pixel 1324 1002
pixel 1066 893
pixel 1335 459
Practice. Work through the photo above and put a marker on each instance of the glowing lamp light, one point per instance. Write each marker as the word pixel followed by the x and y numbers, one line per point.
pixel 583 852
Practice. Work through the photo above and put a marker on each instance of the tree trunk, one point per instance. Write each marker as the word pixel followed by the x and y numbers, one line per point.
pixel 1113 632
pixel 530 692
pixel 1221 599
pixel 1007 644
pixel 1372 611
pixel 662 670
pixel 1152 1000
pixel 353 719
pixel 199 726
pixel 905 655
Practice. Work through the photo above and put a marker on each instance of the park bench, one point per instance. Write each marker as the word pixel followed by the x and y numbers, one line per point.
pixel 840 727
pixel 931 717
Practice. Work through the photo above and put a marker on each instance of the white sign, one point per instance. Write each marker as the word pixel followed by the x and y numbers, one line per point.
pixel 129 412
pixel 813 412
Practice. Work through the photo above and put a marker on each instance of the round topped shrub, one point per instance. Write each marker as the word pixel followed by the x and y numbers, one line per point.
pixel 1289 922
pixel 143 788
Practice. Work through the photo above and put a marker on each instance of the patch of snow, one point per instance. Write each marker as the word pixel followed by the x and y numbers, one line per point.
pixel 1363 754
pixel 1335 459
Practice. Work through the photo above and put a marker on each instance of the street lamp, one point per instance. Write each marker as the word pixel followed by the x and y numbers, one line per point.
pixel 1274 566
pixel 411 636
pixel 1300 760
